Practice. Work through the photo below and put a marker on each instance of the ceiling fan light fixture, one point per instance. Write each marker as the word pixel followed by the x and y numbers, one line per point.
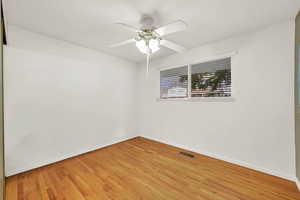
pixel 154 45
pixel 144 47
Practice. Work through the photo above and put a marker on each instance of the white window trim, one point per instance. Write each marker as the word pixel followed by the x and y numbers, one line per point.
pixel 203 99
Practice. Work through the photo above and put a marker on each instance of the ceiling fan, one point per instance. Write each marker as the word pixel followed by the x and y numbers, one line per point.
pixel 149 38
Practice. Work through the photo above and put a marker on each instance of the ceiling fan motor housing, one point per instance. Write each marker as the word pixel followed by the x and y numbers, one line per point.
pixel 147 22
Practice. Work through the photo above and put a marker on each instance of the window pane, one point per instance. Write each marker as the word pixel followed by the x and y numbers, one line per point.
pixel 211 79
pixel 174 83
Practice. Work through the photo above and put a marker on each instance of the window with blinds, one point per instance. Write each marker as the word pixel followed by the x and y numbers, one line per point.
pixel 208 79
pixel 174 83
pixel 211 79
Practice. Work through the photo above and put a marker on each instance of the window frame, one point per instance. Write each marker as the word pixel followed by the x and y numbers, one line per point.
pixel 189 66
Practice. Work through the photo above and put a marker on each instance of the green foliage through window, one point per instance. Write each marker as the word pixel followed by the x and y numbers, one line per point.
pixel 211 84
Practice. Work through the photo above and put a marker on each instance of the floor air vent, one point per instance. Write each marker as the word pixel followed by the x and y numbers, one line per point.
pixel 187 154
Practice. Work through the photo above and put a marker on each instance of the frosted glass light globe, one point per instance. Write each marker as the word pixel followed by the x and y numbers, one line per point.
pixel 144 48
pixel 154 45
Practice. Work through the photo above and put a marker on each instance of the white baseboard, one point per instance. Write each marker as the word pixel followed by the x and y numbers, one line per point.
pixel 297 183
pixel 230 160
pixel 30 166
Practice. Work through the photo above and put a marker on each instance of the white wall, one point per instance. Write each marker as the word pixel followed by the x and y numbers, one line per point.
pixel 256 128
pixel 62 100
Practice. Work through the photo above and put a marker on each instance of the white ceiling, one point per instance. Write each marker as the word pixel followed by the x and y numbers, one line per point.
pixel 90 23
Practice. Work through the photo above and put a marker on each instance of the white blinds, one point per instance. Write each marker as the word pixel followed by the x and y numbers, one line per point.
pixel 211 79
pixel 174 83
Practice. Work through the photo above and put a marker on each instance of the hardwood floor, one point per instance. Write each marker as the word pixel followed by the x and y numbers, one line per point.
pixel 144 169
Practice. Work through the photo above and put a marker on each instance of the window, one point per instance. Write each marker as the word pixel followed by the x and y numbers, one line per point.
pixel 211 79
pixel 174 83
pixel 208 79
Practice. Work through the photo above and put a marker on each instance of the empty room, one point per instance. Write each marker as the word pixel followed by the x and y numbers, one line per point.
pixel 150 99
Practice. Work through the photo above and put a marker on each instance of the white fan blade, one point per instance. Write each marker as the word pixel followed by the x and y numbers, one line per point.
pixel 172 45
pixel 129 27
pixel 176 26
pixel 122 43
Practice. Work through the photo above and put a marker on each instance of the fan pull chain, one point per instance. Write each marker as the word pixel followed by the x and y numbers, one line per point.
pixel 148 61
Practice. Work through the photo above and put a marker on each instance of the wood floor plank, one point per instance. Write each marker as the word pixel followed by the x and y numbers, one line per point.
pixel 145 169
